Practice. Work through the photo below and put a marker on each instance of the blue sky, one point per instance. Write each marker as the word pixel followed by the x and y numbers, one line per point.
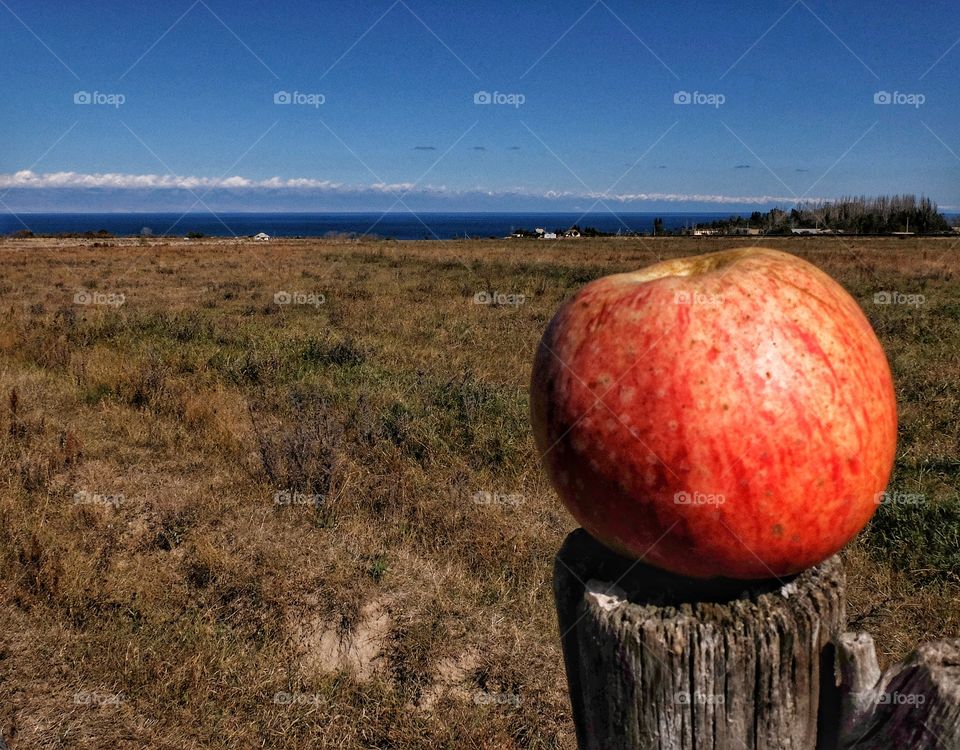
pixel 586 104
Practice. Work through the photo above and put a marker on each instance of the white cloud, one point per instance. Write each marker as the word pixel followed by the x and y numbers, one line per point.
pixel 26 179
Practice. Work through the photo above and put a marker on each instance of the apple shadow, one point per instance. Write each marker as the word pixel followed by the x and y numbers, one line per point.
pixel 585 558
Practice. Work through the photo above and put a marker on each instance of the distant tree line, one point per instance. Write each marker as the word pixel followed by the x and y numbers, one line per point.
pixel 99 234
pixel 852 215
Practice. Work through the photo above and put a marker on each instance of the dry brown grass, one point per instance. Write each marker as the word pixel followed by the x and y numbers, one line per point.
pixel 171 604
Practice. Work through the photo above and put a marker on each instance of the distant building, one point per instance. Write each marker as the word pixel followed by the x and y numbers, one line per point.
pixel 262 237
pixel 746 231
pixel 548 236
pixel 572 232
pixel 699 232
pixel 808 230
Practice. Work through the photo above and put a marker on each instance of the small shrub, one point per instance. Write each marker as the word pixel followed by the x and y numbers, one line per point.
pixel 303 453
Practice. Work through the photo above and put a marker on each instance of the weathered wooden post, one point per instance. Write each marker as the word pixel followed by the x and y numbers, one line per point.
pixel 657 661
pixel 914 705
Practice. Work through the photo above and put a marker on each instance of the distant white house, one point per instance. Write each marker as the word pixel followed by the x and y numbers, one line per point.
pixel 808 230
pixel 548 236
pixel 699 232
pixel 262 237
pixel 746 231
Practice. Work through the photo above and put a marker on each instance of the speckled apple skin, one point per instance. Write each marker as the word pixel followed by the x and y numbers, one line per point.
pixel 769 395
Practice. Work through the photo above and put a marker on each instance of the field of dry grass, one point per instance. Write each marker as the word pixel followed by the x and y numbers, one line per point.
pixel 229 522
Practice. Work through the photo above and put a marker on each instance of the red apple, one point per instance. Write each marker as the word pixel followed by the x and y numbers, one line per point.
pixel 730 414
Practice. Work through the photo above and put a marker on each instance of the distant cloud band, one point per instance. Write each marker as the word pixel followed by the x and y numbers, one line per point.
pixel 26 179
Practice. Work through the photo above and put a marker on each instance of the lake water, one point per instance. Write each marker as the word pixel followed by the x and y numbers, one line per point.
pixel 401 226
